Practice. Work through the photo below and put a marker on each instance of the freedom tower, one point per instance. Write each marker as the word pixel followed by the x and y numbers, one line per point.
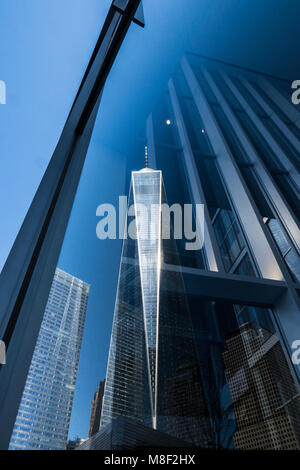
pixel 153 374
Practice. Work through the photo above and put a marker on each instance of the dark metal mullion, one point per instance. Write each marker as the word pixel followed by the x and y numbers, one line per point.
pixel 111 54
pixel 104 30
pixel 135 20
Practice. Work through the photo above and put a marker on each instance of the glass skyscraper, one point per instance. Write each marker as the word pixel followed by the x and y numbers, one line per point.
pixel 260 382
pixel 202 341
pixel 228 138
pixel 153 374
pixel 45 409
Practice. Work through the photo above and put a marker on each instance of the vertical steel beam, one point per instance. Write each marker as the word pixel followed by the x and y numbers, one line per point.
pixel 211 247
pixel 287 307
pixel 289 167
pixel 270 188
pixel 290 110
pixel 253 229
pixel 284 128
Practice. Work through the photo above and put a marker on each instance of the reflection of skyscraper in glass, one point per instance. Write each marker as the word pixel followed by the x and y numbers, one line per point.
pixel 153 374
pixel 263 390
pixel 45 409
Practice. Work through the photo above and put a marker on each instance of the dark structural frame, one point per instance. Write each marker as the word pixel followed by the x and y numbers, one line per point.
pixel 28 272
pixel 27 275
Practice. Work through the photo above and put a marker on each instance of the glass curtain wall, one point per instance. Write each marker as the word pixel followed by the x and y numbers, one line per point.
pixel 248 378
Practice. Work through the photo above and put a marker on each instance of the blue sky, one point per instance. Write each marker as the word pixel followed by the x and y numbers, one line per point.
pixel 45 46
pixel 44 49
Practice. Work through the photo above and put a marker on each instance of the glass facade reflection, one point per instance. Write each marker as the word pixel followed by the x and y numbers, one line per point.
pixel 146 187
pixel 153 373
pixel 226 123
pixel 211 368
pixel 216 374
pixel 44 414
pixel 265 398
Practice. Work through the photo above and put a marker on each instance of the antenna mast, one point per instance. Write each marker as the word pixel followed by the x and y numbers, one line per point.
pixel 146 157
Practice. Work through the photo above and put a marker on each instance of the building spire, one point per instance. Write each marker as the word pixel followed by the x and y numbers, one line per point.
pixel 146 157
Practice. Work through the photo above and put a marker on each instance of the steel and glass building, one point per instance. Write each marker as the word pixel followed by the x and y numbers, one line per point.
pixel 260 383
pixel 45 409
pixel 126 434
pixel 222 136
pixel 153 374
pixel 229 138
pixel 27 275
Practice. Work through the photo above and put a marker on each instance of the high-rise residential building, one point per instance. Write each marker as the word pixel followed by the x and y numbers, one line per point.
pixel 96 409
pixel 153 374
pixel 45 409
pixel 265 399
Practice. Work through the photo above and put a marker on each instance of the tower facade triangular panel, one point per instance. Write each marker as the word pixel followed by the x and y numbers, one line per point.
pixel 153 374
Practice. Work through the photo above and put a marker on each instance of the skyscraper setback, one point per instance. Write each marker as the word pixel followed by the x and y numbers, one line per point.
pixel 45 409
